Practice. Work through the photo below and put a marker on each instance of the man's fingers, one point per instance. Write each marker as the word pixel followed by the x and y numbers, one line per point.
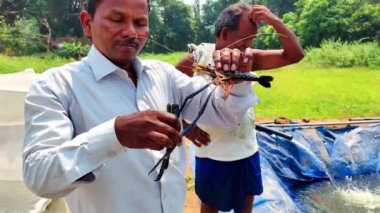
pixel 259 16
pixel 169 119
pixel 159 140
pixel 200 137
pixel 168 125
pixel 246 60
pixel 173 134
pixel 203 137
pixel 248 55
pixel 148 129
pixel 258 13
pixel 226 58
pixel 235 59
pixel 154 146
pixel 196 143
pixel 217 60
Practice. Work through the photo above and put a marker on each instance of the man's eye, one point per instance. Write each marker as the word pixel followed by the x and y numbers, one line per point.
pixel 116 19
pixel 141 23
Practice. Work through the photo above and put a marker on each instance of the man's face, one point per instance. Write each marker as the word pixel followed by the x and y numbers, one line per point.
pixel 242 37
pixel 119 28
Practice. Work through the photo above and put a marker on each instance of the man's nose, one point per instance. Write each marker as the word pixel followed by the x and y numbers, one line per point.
pixel 129 30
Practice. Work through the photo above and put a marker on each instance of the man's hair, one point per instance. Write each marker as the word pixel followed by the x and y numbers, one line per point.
pixel 93 4
pixel 230 17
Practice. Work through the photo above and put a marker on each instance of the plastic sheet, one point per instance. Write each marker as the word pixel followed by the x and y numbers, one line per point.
pixel 14 196
pixel 314 155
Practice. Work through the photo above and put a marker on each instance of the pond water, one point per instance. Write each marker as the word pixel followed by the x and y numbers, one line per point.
pixel 358 194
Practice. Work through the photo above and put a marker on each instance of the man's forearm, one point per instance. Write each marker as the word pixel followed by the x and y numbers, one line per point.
pixel 292 48
pixel 186 65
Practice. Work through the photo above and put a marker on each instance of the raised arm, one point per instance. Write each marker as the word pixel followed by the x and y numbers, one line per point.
pixel 292 51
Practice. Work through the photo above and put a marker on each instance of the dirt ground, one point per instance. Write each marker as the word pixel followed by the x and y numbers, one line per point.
pixel 192 204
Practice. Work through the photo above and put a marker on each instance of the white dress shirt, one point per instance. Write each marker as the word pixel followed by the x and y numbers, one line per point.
pixel 69 116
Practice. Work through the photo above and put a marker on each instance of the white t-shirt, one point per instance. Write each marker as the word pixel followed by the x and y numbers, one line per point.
pixel 227 144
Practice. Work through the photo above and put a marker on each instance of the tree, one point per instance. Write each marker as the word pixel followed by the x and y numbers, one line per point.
pixel 336 19
pixel 155 25
pixel 278 7
pixel 204 29
pixel 179 26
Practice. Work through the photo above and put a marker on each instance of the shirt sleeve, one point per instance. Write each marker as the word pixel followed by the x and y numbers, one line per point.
pixel 218 112
pixel 55 162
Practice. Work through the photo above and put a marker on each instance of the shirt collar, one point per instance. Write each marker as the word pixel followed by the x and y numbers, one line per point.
pixel 102 66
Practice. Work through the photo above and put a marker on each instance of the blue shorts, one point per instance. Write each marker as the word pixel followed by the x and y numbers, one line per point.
pixel 224 184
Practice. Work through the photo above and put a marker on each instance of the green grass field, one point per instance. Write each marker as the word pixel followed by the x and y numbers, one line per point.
pixel 298 91
pixel 303 91
pixel 38 63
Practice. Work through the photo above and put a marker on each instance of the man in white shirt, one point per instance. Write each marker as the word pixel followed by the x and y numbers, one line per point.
pixel 227 171
pixel 94 127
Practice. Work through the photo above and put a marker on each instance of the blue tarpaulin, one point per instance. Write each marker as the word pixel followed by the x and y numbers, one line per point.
pixel 314 155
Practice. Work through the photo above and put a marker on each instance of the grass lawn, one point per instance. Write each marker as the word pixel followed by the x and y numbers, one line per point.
pixel 39 64
pixel 303 91
pixel 298 91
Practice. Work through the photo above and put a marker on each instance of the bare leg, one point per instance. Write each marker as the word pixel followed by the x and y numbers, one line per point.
pixel 205 208
pixel 248 206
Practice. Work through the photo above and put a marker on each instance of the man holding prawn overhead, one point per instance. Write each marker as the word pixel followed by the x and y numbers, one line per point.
pixel 95 127
pixel 227 170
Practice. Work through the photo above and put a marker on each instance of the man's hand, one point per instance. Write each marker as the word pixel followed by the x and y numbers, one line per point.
pixel 197 135
pixel 148 130
pixel 233 59
pixel 260 13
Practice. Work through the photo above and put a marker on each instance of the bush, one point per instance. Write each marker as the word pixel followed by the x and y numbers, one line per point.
pixel 73 50
pixel 267 38
pixel 344 54
pixel 20 38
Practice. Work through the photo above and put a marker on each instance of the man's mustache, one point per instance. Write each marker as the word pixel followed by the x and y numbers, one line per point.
pixel 131 41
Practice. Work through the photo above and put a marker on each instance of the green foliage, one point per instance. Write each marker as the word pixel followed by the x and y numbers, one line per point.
pixel 279 7
pixel 267 38
pixel 366 23
pixel 56 12
pixel 155 38
pixel 73 50
pixel 345 54
pixel 20 38
pixel 190 182
pixel 351 20
pixel 178 31
pixel 204 29
pixel 171 26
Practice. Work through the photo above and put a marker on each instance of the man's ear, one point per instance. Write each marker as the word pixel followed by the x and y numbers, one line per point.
pixel 85 20
pixel 224 33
